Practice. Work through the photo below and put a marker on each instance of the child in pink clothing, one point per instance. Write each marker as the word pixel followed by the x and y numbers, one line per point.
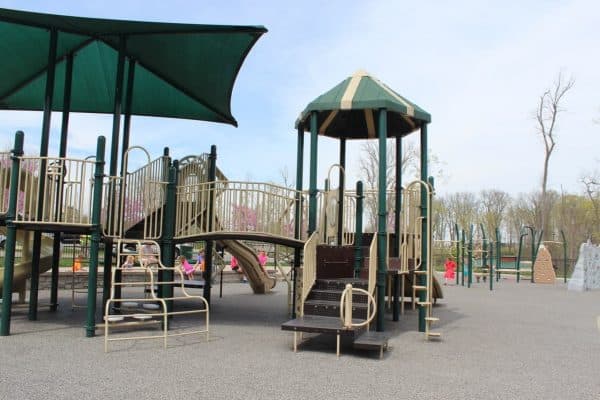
pixel 187 268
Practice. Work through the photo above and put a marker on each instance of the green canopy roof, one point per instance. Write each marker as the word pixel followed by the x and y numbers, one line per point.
pixel 182 70
pixel 349 110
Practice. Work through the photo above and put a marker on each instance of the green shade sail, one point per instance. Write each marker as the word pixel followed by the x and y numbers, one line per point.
pixel 349 110
pixel 182 70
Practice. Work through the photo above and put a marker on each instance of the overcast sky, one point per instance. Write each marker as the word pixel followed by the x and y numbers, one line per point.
pixel 478 67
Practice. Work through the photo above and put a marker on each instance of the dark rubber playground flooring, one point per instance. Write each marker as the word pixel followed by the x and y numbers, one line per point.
pixel 521 341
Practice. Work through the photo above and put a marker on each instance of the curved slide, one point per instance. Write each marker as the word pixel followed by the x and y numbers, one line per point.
pixel 259 280
pixel 23 269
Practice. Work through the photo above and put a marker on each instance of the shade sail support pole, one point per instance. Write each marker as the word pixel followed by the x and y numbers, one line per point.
pixel 381 220
pixel 37 237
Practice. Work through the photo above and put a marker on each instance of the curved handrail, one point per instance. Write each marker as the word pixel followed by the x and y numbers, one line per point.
pixel 346 303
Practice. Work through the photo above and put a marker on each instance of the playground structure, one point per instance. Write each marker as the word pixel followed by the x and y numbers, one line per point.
pixel 169 202
pixel 481 255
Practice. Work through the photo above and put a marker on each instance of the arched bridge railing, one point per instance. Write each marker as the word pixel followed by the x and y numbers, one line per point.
pixel 239 207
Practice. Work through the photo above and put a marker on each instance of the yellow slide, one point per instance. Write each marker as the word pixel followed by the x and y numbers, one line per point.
pixel 23 268
pixel 259 280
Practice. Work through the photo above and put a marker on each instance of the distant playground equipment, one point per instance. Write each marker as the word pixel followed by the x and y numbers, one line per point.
pixel 152 304
pixel 586 275
pixel 480 256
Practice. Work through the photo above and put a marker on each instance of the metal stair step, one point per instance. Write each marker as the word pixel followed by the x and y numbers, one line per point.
pixel 432 319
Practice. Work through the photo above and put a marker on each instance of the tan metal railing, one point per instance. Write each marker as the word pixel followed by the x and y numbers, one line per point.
pixel 67 197
pixel 240 207
pixel 309 268
pixel 5 166
pixel 137 197
pixel 411 224
pixel 373 265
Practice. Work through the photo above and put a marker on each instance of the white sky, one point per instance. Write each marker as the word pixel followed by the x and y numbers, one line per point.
pixel 478 67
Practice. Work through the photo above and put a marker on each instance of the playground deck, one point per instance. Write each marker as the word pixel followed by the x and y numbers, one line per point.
pixel 493 347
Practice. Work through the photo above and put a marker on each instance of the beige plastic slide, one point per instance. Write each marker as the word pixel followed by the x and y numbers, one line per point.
pixel 23 269
pixel 259 280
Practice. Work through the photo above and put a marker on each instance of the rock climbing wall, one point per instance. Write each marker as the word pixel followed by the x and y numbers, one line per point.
pixel 543 270
pixel 586 274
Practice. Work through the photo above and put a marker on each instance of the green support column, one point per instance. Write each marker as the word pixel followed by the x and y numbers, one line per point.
pixel 358 255
pixel 37 236
pixel 458 259
pixel 462 258
pixel 11 237
pixel 340 213
pixel 298 213
pixel 114 154
pixel 312 189
pixel 381 220
pixel 564 240
pixel 470 258
pixel 518 265
pixel 212 174
pixel 498 251
pixel 128 105
pixel 62 152
pixel 167 254
pixel 90 326
pixel 484 247
pixel 398 195
pixel 325 221
pixel 424 237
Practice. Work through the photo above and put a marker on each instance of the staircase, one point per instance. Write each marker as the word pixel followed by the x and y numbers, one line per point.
pixel 322 314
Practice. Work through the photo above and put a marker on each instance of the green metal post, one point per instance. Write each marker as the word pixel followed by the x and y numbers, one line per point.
pixel 298 214
pixel 128 105
pixel 340 213
pixel 11 237
pixel 167 255
pixel 37 236
pixel 90 326
pixel 498 252
pixel 462 258
pixel 398 187
pixel 114 154
pixel 424 237
pixel 564 240
pixel 484 248
pixel 381 220
pixel 325 222
pixel 358 256
pixel 312 189
pixel 212 174
pixel 470 258
pixel 518 266
pixel 458 258
pixel 62 152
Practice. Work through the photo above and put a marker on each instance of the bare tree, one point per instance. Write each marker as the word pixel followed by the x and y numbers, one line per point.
pixel 463 206
pixel 549 107
pixel 493 206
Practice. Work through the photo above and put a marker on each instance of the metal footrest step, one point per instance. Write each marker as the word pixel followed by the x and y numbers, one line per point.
pixel 433 334
pixel 432 319
pixel 424 303
pixel 418 287
pixel 372 341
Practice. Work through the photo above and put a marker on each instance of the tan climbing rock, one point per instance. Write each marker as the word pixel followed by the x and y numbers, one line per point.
pixel 543 269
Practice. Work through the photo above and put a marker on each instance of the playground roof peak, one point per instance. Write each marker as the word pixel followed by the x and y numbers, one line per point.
pixel 348 110
pixel 182 70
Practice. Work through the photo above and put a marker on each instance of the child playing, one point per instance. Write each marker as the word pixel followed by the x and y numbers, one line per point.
pixel 128 262
pixel 187 268
pixel 450 267
pixel 77 263
pixel 200 262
